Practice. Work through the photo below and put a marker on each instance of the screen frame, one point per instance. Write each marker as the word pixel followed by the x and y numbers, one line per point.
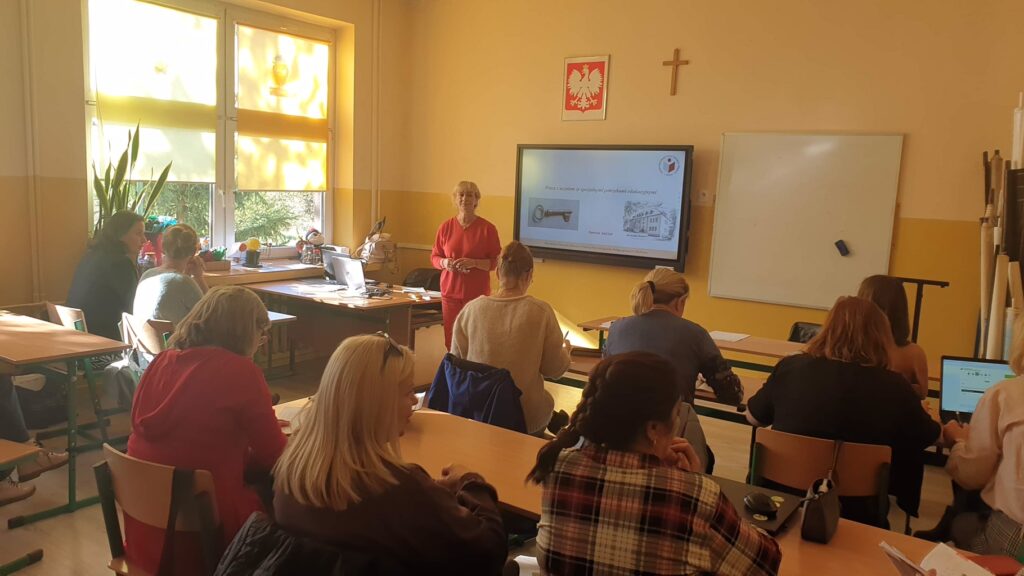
pixel 947 415
pixel 589 257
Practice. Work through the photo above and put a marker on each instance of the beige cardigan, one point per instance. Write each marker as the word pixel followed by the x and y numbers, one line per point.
pixel 520 334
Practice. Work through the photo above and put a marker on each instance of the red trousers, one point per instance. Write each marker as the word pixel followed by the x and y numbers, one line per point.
pixel 450 308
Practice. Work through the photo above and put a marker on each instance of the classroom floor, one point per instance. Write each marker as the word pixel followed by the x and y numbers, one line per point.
pixel 76 543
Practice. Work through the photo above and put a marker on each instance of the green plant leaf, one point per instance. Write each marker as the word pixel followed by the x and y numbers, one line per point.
pixel 134 143
pixel 119 173
pixel 158 187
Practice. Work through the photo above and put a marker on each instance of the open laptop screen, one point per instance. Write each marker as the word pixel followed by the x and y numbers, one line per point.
pixel 964 380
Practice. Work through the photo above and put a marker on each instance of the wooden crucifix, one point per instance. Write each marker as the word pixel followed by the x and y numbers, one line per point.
pixel 675 63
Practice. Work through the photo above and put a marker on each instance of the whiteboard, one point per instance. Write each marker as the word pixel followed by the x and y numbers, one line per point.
pixel 784 200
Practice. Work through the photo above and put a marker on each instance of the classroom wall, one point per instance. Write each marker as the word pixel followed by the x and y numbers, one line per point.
pixel 467 80
pixel 44 212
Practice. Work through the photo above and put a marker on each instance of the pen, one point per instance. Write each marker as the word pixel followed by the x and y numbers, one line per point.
pixel 957 416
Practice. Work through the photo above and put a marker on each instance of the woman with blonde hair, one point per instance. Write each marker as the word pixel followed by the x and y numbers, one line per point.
pixel 169 292
pixel 657 326
pixel 204 405
pixel 840 388
pixel 988 455
pixel 465 250
pixel 342 480
pixel 906 357
pixel 516 331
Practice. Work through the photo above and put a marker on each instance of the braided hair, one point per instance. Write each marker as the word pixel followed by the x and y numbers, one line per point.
pixel 624 393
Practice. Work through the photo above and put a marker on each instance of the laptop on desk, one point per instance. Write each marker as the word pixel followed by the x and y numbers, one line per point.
pixel 735 492
pixel 963 381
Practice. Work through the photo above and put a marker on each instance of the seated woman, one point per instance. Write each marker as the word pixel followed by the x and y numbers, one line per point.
pixel 676 521
pixel 657 326
pixel 203 404
pixel 840 388
pixel 989 455
pixel 906 358
pixel 104 283
pixel 169 292
pixel 518 332
pixel 342 481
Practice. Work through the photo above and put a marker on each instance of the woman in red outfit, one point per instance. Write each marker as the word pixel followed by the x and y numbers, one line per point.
pixel 466 250
pixel 203 404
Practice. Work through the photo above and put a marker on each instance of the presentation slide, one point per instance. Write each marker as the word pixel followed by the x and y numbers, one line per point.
pixel 624 202
pixel 964 381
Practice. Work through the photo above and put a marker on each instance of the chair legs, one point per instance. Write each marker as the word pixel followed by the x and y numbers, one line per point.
pixel 102 414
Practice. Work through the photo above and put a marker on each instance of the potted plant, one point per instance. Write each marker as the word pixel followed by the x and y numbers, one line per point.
pixel 116 191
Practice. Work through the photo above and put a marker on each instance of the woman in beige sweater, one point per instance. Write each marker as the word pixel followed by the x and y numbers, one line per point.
pixel 517 332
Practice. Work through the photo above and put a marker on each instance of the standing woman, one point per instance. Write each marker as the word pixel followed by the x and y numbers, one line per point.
pixel 906 358
pixel 106 277
pixel 466 250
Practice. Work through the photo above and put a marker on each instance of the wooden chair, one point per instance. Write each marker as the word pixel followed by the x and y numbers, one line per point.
pixel 75 319
pixel 796 461
pixel 146 336
pixel 143 491
pixel 12 454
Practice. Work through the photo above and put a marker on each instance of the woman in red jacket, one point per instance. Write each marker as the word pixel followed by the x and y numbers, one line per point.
pixel 466 250
pixel 203 404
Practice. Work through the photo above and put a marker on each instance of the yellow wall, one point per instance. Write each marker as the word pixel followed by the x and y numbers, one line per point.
pixel 477 78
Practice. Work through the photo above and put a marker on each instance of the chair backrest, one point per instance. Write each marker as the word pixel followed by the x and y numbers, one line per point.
pixel 67 317
pixel 149 336
pixel 802 332
pixel 797 461
pixel 477 391
pixel 143 491
pixel 429 278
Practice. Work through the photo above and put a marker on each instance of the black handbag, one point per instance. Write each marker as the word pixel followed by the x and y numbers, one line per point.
pixel 821 506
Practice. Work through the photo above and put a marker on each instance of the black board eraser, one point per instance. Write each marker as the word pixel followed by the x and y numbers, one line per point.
pixel 844 250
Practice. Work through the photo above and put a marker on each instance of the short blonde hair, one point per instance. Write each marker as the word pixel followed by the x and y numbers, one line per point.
pixel 180 242
pixel 466 187
pixel 660 286
pixel 229 317
pixel 345 439
pixel 514 264
pixel 855 331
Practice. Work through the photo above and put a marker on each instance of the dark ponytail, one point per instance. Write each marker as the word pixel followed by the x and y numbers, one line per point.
pixel 624 393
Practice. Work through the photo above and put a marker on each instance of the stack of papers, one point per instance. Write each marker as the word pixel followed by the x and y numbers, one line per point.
pixel 728 336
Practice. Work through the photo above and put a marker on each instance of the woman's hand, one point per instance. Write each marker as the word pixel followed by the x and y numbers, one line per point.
pixel 682 455
pixel 196 267
pixel 465 264
pixel 451 476
pixel 954 432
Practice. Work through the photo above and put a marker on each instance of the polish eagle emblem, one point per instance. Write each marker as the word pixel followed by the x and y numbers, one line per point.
pixel 585 87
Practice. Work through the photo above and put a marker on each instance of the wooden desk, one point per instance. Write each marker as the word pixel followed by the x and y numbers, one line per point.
pixel 434 440
pixel 754 345
pixel 29 342
pixel 272 271
pixel 310 299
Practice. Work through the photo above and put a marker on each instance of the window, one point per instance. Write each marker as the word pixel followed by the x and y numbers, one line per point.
pixel 231 103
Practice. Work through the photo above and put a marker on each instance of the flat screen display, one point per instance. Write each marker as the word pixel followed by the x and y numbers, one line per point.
pixel 964 380
pixel 619 205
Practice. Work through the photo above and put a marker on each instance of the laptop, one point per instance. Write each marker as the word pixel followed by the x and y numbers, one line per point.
pixel 964 380
pixel 735 492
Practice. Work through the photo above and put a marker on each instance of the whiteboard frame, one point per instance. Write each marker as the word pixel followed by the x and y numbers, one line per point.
pixel 890 220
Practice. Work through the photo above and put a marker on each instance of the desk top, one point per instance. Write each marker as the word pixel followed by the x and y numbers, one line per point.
pixel 323 293
pixel 282 269
pixel 434 439
pixel 28 341
pixel 769 347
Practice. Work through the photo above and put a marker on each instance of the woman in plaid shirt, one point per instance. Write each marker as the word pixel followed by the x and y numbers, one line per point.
pixel 626 502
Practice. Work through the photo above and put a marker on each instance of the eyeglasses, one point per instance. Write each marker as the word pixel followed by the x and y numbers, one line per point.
pixel 393 348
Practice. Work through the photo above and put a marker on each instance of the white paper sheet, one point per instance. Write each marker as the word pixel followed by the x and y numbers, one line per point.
pixel 528 566
pixel 728 336
pixel 948 562
pixel 607 325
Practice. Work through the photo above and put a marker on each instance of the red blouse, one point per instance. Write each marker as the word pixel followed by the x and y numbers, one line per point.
pixel 479 241
pixel 204 409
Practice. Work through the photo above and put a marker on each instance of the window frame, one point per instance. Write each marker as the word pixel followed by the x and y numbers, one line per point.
pixel 229 16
